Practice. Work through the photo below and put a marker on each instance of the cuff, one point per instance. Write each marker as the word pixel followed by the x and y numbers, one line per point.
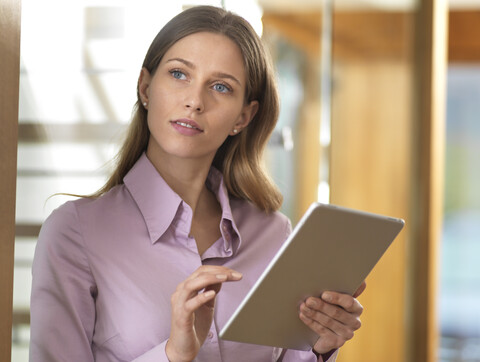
pixel 327 357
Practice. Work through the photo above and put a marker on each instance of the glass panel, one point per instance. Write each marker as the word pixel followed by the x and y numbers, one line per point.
pixel 91 96
pixel 293 32
pixel 79 66
pixel 76 94
pixel 459 296
pixel 281 154
pixel 460 275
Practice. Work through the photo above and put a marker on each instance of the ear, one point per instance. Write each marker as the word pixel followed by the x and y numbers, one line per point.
pixel 248 112
pixel 144 85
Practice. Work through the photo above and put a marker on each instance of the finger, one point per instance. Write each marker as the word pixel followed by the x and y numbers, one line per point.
pixel 191 287
pixel 209 278
pixel 350 320
pixel 183 313
pixel 203 281
pixel 326 337
pixel 206 298
pixel 215 269
pixel 360 289
pixel 216 289
pixel 343 324
pixel 347 302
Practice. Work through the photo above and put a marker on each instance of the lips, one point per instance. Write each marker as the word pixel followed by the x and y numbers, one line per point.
pixel 186 127
pixel 187 123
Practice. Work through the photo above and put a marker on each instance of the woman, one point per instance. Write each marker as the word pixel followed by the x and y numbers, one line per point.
pixel 151 266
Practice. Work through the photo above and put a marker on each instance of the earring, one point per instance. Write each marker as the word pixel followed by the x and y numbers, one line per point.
pixel 235 131
pixel 145 104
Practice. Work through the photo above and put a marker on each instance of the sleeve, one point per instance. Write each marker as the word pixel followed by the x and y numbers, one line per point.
pixel 291 355
pixel 63 289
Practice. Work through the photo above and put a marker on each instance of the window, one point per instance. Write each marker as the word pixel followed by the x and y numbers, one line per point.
pixel 79 66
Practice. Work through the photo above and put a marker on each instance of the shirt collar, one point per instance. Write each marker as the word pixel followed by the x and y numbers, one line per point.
pixel 159 204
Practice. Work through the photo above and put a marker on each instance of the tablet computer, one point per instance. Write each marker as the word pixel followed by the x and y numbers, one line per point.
pixel 331 248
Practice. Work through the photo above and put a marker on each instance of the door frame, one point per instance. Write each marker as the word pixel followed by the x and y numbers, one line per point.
pixel 10 13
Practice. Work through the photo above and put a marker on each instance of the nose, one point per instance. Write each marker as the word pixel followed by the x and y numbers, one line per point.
pixel 195 99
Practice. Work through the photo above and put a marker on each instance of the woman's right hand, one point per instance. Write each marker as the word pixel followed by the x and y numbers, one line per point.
pixel 193 304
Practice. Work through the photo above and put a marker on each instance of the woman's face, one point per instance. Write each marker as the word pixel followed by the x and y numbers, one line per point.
pixel 195 98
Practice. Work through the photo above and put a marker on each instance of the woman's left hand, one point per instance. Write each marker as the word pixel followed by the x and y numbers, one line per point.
pixel 334 318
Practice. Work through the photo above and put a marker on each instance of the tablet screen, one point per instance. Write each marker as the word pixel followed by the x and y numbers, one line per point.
pixel 331 248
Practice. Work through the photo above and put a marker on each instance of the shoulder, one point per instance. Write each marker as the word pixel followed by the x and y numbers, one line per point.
pixel 60 242
pixel 115 197
pixel 68 220
pixel 63 219
pixel 107 208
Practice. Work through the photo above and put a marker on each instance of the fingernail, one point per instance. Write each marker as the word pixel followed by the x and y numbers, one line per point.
pixel 236 275
pixel 208 294
pixel 306 310
pixel 221 276
pixel 327 297
pixel 304 316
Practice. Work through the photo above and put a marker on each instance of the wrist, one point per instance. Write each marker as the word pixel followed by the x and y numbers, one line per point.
pixel 173 355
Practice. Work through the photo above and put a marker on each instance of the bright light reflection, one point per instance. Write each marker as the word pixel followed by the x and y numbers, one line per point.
pixel 250 10
pixel 323 192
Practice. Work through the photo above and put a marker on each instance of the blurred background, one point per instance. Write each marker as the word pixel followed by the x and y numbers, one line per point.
pixel 355 90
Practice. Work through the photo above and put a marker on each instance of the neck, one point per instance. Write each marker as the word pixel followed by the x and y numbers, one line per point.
pixel 186 177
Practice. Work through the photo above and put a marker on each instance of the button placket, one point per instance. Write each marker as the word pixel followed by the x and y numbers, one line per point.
pixel 212 334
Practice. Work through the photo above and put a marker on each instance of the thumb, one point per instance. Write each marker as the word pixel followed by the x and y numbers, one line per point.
pixel 360 289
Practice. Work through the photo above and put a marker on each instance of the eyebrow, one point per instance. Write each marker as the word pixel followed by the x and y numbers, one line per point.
pixel 192 66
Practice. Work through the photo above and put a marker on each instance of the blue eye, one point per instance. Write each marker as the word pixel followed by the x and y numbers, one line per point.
pixel 177 74
pixel 222 88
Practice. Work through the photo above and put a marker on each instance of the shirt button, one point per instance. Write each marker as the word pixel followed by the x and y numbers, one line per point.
pixel 210 335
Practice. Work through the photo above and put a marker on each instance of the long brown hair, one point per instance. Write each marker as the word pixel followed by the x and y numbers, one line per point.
pixel 240 156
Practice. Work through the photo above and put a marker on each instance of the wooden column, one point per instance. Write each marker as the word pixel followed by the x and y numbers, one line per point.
pixel 370 161
pixel 9 80
pixel 370 170
pixel 428 177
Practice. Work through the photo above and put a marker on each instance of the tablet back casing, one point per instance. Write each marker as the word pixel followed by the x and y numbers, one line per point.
pixel 331 248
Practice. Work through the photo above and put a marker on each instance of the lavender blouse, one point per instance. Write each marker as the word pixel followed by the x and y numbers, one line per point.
pixel 105 268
